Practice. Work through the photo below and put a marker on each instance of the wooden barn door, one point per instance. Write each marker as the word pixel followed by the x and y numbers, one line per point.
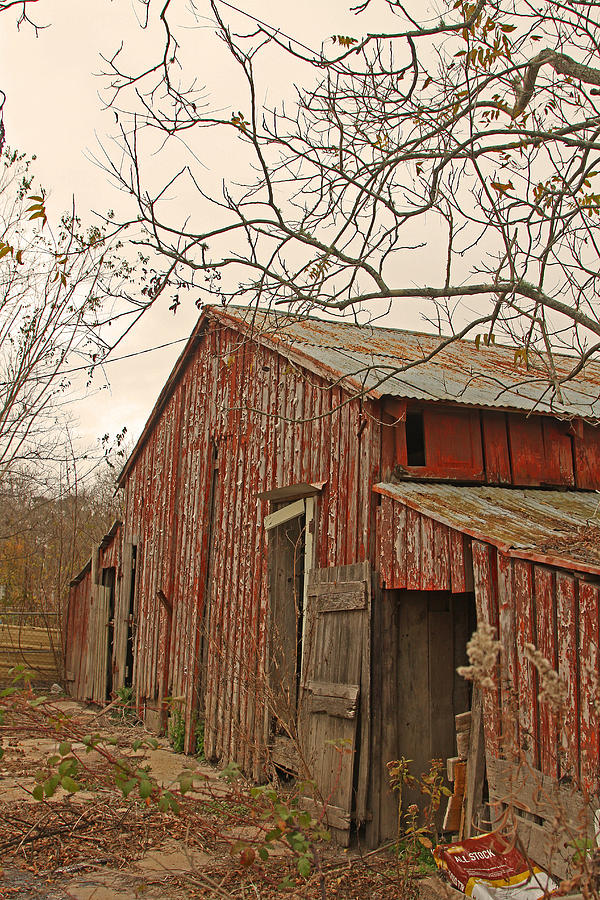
pixel 335 703
pixel 102 620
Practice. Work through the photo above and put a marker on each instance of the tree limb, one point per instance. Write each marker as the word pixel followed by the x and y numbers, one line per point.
pixel 561 63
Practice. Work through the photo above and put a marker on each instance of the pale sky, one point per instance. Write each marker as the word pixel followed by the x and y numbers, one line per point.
pixel 54 110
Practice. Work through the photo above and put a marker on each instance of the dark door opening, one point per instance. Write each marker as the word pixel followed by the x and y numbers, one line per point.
pixel 109 581
pixel 286 583
pixel 128 673
pixel 421 639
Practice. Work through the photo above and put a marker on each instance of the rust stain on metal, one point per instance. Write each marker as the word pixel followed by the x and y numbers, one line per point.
pixel 540 525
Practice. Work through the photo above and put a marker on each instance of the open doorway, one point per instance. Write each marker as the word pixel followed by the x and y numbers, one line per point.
pixel 109 582
pixel 421 639
pixel 290 530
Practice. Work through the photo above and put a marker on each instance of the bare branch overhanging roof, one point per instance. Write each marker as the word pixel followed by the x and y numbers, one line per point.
pixel 388 361
pixel 560 528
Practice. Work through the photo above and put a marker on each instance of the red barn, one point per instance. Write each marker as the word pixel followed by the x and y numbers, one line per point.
pixel 317 516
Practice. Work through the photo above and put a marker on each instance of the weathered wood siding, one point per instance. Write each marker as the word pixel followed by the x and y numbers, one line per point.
pixel 492 447
pixel 416 553
pixel 558 613
pixel 526 603
pixel 239 420
pixel 86 648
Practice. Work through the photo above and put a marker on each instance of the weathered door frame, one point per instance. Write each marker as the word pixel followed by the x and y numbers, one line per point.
pixel 308 508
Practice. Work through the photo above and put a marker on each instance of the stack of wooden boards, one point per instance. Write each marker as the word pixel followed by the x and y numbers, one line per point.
pixel 456 768
pixel 36 648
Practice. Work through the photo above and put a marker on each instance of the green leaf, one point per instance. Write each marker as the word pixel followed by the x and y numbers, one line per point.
pixel 304 866
pixel 128 786
pixel 51 784
pixel 38 792
pixel 64 748
pixel 186 783
pixel 163 804
pixel 263 853
pixel 273 835
pixel 38 702
pixel 67 767
pixel 69 784
pixel 145 788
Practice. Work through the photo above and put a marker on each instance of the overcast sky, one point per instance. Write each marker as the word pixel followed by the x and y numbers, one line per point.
pixel 54 109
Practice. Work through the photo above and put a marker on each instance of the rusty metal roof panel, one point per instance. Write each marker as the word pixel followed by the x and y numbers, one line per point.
pixel 559 528
pixel 400 363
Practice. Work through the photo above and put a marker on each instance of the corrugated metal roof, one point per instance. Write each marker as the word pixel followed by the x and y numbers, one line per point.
pixel 560 528
pixel 394 362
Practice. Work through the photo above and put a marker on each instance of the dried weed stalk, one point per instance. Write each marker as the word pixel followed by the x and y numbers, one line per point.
pixel 482 651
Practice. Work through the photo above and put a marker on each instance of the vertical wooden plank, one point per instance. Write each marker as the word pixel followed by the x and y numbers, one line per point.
pixel 509 679
pixel 568 670
pixel 441 635
pixel 485 583
pixel 457 561
pixel 495 447
pixel 385 520
pixel 351 518
pixel 399 548
pixel 587 455
pixel 413 549
pixel 475 764
pixel 366 500
pixel 528 681
pixel 412 695
pixel 589 720
pixel 558 451
pixel 526 449
pixel 335 487
pixel 461 628
pixel 345 527
pixel 441 555
pixel 544 591
pixel 428 561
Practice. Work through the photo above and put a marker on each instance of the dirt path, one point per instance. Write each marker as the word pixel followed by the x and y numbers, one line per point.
pixel 105 843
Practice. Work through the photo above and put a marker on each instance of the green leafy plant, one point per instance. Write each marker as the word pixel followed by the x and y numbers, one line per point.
pixel 417 830
pixel 177 730
pixel 124 708
pixel 290 825
pixel 199 740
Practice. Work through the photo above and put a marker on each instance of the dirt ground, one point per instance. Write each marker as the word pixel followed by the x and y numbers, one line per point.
pixel 97 844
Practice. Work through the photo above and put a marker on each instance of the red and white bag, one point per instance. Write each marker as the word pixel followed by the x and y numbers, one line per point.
pixel 488 867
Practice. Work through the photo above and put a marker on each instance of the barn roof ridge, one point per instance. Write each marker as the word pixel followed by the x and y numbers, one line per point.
pixel 296 318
